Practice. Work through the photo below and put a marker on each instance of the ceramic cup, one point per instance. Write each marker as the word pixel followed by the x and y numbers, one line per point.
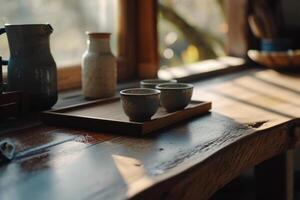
pixel 140 104
pixel 175 96
pixel 151 83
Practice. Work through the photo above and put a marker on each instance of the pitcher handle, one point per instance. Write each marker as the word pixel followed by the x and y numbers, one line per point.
pixel 2 30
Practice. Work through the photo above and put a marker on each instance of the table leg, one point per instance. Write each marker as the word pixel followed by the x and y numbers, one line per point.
pixel 274 178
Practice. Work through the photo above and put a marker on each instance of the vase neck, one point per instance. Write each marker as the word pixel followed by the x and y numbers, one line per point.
pixel 100 45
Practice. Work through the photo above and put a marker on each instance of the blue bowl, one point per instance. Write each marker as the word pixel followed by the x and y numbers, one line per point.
pixel 280 44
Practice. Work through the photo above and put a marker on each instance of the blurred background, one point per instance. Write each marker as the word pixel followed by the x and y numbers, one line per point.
pixel 70 20
pixel 189 30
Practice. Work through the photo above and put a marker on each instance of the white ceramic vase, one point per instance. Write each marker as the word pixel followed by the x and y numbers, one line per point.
pixel 99 70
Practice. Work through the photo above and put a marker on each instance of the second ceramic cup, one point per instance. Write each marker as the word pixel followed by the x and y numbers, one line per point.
pixel 175 96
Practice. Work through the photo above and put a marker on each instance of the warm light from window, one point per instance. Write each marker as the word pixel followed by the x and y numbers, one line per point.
pixel 171 38
pixel 168 53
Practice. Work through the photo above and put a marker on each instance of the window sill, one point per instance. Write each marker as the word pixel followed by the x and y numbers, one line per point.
pixel 188 73
pixel 204 69
pixel 70 77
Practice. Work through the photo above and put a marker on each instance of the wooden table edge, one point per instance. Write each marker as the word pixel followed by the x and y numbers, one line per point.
pixel 176 185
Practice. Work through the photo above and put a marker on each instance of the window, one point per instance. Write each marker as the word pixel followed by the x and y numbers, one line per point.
pixel 135 39
pixel 191 31
pixel 201 30
pixel 69 19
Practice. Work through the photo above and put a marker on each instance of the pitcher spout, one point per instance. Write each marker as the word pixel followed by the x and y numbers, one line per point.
pixel 27 29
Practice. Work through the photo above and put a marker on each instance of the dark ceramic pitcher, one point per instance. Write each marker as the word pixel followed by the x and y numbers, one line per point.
pixel 31 67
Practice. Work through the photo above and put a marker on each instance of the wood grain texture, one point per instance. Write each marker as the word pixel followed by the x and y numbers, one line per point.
pixel 202 181
pixel 251 122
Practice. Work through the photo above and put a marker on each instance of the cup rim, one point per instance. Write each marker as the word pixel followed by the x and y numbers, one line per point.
pixel 150 92
pixel 26 24
pixel 157 81
pixel 177 86
pixel 100 35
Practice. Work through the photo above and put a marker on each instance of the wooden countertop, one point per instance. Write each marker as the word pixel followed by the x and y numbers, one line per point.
pixel 255 116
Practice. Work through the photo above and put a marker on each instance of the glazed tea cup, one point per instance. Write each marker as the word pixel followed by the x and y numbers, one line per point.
pixel 175 96
pixel 140 104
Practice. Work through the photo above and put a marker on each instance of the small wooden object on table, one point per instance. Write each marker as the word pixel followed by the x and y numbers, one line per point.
pixel 108 116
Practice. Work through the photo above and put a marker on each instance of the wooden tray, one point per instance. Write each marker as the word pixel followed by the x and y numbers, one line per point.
pixel 108 116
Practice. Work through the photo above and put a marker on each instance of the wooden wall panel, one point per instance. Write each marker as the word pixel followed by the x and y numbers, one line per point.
pixel 138 53
pixel 148 64
pixel 240 38
pixel 127 42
